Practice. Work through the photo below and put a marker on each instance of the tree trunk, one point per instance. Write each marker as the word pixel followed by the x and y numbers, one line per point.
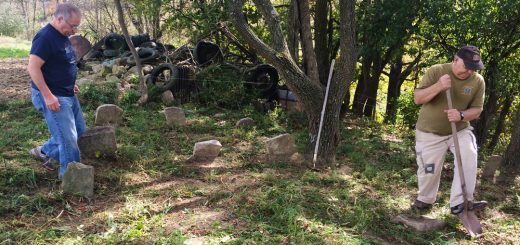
pixel 396 79
pixel 512 155
pixel 143 90
pixel 501 122
pixel 293 31
pixel 311 93
pixel 322 49
pixel 133 17
pixel 309 57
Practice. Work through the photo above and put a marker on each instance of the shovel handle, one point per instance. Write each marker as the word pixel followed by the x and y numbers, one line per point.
pixel 457 152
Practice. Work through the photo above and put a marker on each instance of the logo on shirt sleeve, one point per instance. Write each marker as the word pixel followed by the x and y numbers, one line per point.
pixel 467 90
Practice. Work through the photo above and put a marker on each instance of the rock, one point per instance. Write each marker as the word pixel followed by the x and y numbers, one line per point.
pixel 219 115
pixel 78 180
pixel 113 79
pixel 281 147
pixel 206 150
pixel 109 114
pixel 98 142
pixel 100 69
pixel 422 224
pixel 109 63
pixel 147 69
pixel 491 167
pixel 167 97
pixel 118 71
pixel 175 116
pixel 245 122
pixel 296 158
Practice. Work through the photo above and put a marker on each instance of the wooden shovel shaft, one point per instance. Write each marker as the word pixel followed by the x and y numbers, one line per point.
pixel 457 152
pixel 469 219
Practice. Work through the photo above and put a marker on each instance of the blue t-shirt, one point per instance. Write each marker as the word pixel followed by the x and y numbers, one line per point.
pixel 59 69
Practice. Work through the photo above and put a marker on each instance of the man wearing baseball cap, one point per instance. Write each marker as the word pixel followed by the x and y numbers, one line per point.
pixel 433 129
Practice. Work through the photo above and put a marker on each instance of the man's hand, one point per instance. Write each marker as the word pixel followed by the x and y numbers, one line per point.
pixel 76 89
pixel 453 115
pixel 52 103
pixel 445 82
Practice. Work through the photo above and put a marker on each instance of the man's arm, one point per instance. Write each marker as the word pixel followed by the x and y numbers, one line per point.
pixel 424 95
pixel 35 72
pixel 469 114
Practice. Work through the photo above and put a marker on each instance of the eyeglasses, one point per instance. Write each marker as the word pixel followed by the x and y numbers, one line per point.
pixel 73 27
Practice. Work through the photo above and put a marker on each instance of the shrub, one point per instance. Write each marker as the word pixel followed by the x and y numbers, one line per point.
pixel 93 95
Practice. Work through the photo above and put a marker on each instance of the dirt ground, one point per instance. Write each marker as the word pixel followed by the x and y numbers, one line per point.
pixel 14 79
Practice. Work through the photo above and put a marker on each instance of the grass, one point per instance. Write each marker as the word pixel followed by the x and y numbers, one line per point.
pixel 14 47
pixel 151 194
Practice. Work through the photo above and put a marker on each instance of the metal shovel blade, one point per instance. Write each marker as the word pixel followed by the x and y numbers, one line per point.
pixel 471 223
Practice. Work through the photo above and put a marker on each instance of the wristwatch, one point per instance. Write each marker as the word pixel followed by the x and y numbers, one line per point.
pixel 461 115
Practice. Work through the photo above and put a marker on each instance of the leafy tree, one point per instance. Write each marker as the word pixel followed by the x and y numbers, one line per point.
pixel 385 27
pixel 512 154
pixel 10 24
pixel 311 92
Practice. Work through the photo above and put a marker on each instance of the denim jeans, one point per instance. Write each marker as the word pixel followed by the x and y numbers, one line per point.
pixel 65 125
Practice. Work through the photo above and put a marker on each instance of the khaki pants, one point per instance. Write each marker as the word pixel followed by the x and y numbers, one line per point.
pixel 431 150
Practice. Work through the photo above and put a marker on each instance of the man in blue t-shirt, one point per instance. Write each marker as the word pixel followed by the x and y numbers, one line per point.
pixel 52 67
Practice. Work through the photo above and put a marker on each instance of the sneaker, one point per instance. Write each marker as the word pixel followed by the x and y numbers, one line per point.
pixel 37 154
pixel 421 205
pixel 48 165
pixel 473 206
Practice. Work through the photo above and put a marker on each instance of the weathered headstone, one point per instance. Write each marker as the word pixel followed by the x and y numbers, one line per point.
pixel 491 167
pixel 245 122
pixel 167 97
pixel 175 116
pixel 98 142
pixel 78 179
pixel 280 148
pixel 421 224
pixel 109 114
pixel 206 150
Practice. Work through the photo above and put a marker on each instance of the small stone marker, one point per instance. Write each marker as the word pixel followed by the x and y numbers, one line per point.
pixel 98 142
pixel 206 150
pixel 245 122
pixel 108 114
pixel 280 148
pixel 78 179
pixel 421 224
pixel 175 116
pixel 491 167
pixel 167 97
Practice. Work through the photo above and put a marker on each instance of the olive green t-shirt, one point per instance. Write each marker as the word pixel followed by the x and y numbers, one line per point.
pixel 465 94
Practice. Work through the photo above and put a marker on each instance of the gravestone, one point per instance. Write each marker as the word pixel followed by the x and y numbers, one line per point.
pixel 175 116
pixel 98 142
pixel 280 148
pixel 78 180
pixel 206 150
pixel 109 114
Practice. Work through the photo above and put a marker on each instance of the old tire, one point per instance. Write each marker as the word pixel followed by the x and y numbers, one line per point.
pixel 264 80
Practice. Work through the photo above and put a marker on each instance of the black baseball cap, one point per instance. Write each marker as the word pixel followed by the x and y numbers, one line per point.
pixel 471 57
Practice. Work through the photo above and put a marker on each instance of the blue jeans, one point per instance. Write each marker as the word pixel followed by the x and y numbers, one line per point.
pixel 65 126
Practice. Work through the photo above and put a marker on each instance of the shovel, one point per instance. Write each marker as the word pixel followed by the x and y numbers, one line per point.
pixel 468 218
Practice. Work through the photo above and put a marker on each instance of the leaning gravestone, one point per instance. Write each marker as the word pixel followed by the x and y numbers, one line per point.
pixel 206 150
pixel 78 179
pixel 491 167
pixel 422 224
pixel 245 122
pixel 108 114
pixel 167 97
pixel 175 116
pixel 280 148
pixel 98 142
